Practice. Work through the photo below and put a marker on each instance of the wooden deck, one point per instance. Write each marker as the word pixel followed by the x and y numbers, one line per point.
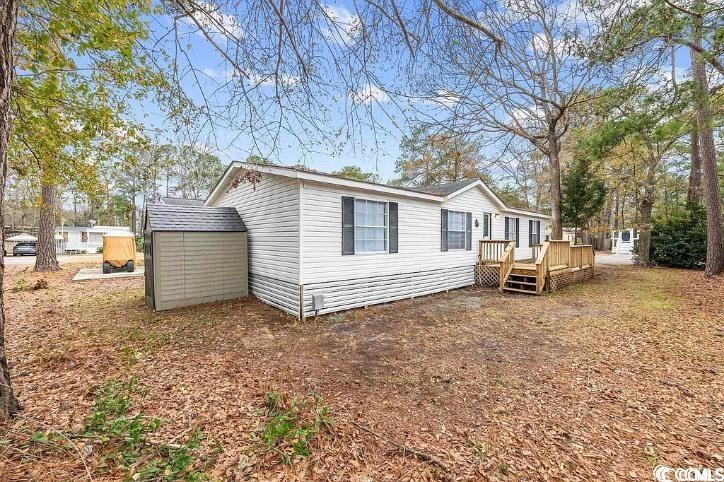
pixel 551 260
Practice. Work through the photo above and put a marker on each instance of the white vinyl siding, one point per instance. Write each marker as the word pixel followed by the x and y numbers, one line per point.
pixel 270 211
pixel 419 267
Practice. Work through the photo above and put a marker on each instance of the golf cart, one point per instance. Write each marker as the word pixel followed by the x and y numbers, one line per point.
pixel 119 252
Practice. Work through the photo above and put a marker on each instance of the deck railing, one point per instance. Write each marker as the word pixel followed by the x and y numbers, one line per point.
pixel 507 261
pixel 553 255
pixel 541 267
pixel 535 249
pixel 559 253
pixel 490 251
pixel 581 256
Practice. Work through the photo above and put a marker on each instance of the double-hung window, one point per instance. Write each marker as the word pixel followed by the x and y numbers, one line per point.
pixel 534 232
pixel 456 230
pixel 512 231
pixel 371 222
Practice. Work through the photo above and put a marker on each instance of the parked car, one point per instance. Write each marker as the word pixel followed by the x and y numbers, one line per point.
pixel 22 249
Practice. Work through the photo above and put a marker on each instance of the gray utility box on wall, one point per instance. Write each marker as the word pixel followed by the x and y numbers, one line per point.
pixel 194 255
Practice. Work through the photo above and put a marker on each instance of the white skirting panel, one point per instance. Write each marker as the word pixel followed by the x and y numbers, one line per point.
pixel 275 292
pixel 355 293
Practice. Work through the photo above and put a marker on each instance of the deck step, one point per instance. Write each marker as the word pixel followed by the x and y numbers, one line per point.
pixel 516 282
pixel 528 292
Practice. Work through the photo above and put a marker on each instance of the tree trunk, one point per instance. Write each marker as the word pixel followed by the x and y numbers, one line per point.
pixel 8 20
pixel 46 260
pixel 712 195
pixel 645 208
pixel 694 193
pixel 555 179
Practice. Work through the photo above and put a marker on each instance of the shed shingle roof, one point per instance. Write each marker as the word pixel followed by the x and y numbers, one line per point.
pixel 163 217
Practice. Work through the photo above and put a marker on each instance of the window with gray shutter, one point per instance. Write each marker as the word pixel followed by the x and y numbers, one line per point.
pixel 486 225
pixel 443 230
pixel 370 226
pixel 468 231
pixel 512 230
pixel 393 227
pixel 533 232
pixel 347 225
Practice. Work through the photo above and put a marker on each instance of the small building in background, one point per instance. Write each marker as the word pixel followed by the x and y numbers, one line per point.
pixel 78 239
pixel 624 241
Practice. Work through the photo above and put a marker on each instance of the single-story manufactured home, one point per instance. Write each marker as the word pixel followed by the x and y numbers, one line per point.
pixel 83 238
pixel 319 243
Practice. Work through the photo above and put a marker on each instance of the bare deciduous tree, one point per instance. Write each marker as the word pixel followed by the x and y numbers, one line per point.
pixel 528 87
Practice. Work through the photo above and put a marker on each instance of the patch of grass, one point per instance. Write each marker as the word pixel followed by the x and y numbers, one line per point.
pixel 480 450
pixel 130 355
pixel 21 285
pixel 503 468
pixel 656 301
pixel 124 438
pixel 291 427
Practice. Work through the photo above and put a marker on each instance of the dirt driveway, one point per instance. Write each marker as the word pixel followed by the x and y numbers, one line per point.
pixel 601 381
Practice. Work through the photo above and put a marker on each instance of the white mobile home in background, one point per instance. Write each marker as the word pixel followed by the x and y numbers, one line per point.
pixel 623 241
pixel 319 243
pixel 83 238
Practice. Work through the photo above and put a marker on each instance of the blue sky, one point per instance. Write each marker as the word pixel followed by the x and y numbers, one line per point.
pixel 371 149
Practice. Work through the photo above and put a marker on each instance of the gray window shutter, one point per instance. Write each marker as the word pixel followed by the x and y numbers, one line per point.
pixel 468 231
pixel 347 225
pixel 517 232
pixel 443 230
pixel 537 233
pixel 530 232
pixel 393 227
pixel 507 228
pixel 486 227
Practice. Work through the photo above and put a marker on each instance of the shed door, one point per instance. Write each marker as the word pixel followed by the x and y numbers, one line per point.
pixel 148 266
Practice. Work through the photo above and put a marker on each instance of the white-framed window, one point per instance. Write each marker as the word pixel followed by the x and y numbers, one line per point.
pixel 487 225
pixel 455 230
pixel 511 230
pixel 371 226
pixel 534 232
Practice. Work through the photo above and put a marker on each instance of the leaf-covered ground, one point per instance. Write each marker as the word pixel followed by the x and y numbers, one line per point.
pixel 600 381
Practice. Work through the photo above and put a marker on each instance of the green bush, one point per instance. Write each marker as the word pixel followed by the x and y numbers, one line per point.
pixel 139 243
pixel 680 242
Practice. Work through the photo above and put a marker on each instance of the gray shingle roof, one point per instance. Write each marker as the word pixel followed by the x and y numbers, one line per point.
pixel 178 201
pixel 447 188
pixel 163 217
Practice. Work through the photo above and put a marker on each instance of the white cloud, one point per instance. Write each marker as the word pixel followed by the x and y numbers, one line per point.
pixel 342 25
pixel 528 117
pixel 214 22
pixel 541 43
pixel 268 80
pixel 447 98
pixel 369 93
